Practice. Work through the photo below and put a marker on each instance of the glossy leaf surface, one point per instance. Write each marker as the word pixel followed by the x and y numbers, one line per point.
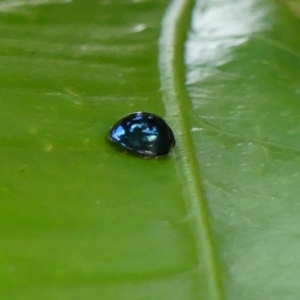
pixel 243 79
pixel 80 220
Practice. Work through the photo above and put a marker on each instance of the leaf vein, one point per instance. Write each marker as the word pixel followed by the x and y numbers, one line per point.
pixel 171 50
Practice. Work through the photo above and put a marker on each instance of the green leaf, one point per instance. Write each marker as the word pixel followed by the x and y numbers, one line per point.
pixel 242 77
pixel 218 218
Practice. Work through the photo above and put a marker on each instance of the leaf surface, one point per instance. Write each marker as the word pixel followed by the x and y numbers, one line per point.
pixel 242 77
pixel 218 218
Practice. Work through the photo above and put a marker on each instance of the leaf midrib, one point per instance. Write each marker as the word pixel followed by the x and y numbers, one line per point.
pixel 171 52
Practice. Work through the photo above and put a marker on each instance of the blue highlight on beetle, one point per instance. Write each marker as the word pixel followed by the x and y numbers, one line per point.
pixel 144 134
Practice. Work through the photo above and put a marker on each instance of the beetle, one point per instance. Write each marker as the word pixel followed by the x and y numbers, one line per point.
pixel 142 133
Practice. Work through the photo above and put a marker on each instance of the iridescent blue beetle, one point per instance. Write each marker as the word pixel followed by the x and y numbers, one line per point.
pixel 144 134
